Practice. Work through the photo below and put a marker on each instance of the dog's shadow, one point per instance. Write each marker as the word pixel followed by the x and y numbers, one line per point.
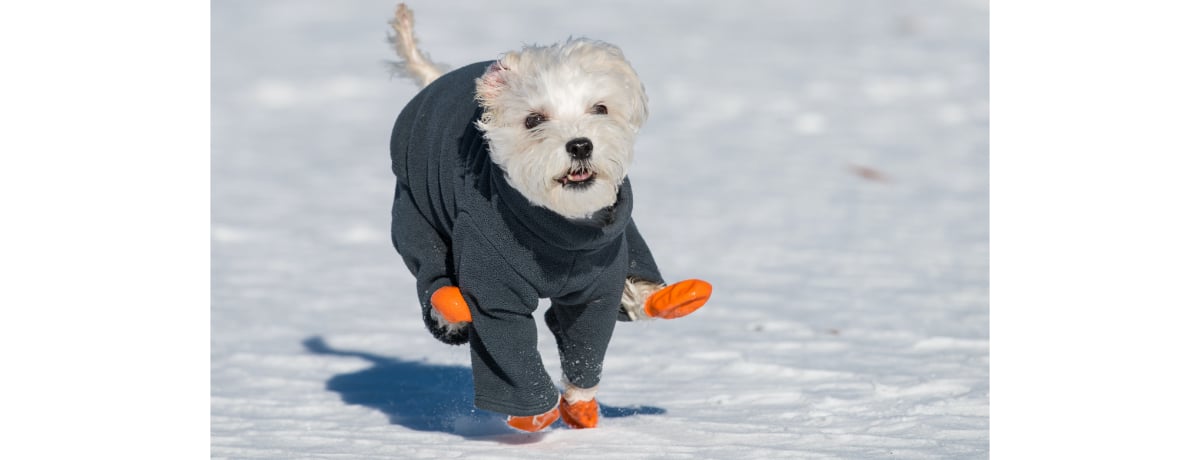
pixel 428 397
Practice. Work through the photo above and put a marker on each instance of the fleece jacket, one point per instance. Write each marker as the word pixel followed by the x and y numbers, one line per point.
pixel 456 221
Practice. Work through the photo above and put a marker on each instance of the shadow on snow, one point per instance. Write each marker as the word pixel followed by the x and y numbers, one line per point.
pixel 430 397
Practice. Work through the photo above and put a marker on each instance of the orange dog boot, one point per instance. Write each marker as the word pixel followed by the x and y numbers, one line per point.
pixel 679 299
pixel 449 301
pixel 532 423
pixel 580 414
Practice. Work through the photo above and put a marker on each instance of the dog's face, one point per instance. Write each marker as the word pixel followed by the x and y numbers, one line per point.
pixel 561 121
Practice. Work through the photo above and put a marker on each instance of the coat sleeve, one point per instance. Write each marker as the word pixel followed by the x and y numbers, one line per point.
pixel 641 261
pixel 426 254
pixel 425 250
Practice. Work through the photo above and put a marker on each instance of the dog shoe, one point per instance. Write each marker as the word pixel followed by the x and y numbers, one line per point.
pixel 679 299
pixel 532 423
pixel 449 301
pixel 579 414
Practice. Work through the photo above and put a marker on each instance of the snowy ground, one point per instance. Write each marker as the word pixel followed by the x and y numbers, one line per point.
pixel 823 163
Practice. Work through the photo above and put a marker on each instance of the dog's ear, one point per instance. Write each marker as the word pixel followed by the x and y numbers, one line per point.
pixel 637 107
pixel 491 83
pixel 494 80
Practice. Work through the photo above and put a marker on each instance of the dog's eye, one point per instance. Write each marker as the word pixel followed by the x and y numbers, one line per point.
pixel 600 109
pixel 533 120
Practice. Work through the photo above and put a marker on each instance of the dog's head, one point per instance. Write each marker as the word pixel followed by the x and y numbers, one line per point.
pixel 561 121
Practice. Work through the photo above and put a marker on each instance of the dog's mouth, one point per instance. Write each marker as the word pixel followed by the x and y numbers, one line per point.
pixel 578 177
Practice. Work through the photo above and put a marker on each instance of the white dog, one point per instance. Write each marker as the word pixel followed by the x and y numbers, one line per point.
pixel 512 186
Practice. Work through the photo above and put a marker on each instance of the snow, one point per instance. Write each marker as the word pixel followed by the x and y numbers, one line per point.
pixel 823 164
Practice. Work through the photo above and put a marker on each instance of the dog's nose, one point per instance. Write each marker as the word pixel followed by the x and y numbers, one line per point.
pixel 580 148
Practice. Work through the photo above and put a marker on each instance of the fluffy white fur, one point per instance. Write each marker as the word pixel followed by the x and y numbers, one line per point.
pixel 564 83
pixel 574 394
pixel 633 298
pixel 442 323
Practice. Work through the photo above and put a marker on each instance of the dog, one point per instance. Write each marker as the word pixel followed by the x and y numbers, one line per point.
pixel 511 186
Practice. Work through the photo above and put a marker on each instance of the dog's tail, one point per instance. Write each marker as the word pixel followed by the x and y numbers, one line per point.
pixel 413 63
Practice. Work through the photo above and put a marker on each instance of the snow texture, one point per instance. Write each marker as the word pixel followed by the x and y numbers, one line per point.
pixel 823 163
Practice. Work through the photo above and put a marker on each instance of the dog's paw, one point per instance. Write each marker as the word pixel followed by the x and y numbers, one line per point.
pixel 533 423
pixel 449 304
pixel 578 406
pixel 580 414
pixel 451 332
pixel 678 300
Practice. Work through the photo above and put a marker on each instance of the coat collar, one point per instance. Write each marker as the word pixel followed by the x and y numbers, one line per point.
pixel 548 227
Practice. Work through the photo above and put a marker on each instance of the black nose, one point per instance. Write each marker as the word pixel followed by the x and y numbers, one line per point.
pixel 580 148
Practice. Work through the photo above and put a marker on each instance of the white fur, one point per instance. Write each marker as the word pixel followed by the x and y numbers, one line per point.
pixel 574 394
pixel 442 323
pixel 564 83
pixel 633 298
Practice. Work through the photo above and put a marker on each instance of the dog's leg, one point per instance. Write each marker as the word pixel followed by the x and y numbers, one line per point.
pixel 581 349
pixel 645 300
pixel 416 63
pixel 633 298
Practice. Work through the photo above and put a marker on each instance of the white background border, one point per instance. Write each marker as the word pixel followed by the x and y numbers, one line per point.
pixel 104 186
pixel 1094 228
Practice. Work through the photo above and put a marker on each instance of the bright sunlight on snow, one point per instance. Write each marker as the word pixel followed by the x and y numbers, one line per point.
pixel 823 163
